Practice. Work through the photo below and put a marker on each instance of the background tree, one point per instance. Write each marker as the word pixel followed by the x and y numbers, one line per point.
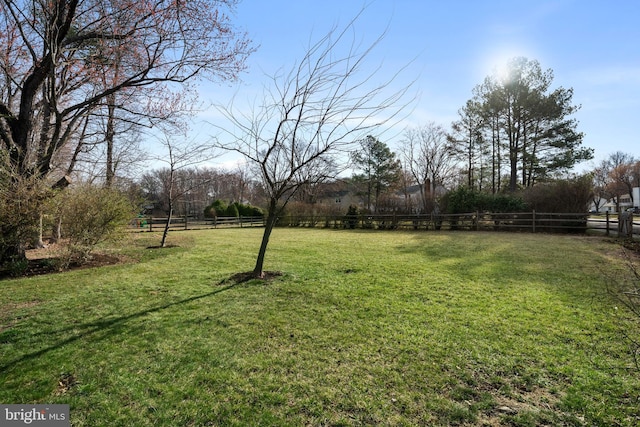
pixel 380 169
pixel 600 176
pixel 309 120
pixel 179 156
pixel 616 176
pixel 466 139
pixel 430 158
pixel 56 54
pixel 624 173
pixel 527 124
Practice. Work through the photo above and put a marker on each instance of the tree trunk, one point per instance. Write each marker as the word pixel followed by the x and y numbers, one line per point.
pixel 40 243
pixel 57 232
pixel 513 177
pixel 109 139
pixel 170 214
pixel 165 232
pixel 272 217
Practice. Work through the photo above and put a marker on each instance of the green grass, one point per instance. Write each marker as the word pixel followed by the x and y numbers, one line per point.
pixel 363 328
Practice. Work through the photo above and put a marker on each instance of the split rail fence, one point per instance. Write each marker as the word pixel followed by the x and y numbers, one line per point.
pixel 189 223
pixel 623 225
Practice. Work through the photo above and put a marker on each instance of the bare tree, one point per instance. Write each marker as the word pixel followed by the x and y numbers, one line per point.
pixel 429 157
pixel 600 185
pixel 55 56
pixel 178 156
pixel 616 176
pixel 311 119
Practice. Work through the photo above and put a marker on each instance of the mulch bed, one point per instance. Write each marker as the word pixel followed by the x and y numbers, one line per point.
pixel 44 261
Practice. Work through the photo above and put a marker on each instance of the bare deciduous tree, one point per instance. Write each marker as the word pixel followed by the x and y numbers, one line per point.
pixel 56 54
pixel 429 157
pixel 310 120
pixel 180 155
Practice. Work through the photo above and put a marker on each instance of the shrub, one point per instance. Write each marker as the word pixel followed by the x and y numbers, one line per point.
pixel 91 215
pixel 232 210
pixel 220 208
pixel 248 210
pixel 460 200
pixel 21 201
pixel 561 196
pixel 351 218
pixel 210 212
pixel 217 208
pixel 466 200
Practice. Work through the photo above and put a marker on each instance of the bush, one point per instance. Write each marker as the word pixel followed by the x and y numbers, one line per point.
pixel 299 213
pixel 232 210
pixel 210 212
pixel 91 215
pixel 561 196
pixel 351 218
pixel 466 200
pixel 217 208
pixel 248 210
pixel 220 208
pixel 21 201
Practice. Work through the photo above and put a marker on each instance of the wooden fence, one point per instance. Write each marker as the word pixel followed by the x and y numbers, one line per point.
pixel 477 221
pixel 608 224
pixel 618 225
pixel 188 223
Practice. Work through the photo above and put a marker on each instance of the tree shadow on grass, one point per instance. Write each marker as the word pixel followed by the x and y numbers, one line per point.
pixel 248 276
pixel 101 325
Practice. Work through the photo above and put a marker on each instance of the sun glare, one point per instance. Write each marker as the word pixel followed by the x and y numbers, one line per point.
pixel 496 62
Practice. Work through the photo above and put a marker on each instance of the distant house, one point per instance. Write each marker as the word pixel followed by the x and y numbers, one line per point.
pixel 625 202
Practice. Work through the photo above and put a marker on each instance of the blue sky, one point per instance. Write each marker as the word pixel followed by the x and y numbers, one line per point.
pixel 451 45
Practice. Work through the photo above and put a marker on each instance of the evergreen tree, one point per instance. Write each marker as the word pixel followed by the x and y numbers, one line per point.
pixel 529 126
pixel 379 166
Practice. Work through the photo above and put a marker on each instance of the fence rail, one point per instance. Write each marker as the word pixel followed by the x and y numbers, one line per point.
pixel 478 221
pixel 189 223
pixel 520 221
pixel 619 225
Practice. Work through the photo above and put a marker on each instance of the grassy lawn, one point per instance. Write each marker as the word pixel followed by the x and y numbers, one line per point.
pixel 363 328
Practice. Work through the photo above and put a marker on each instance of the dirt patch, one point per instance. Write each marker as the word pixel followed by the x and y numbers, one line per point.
pixel 238 278
pixel 66 383
pixel 534 402
pixel 632 245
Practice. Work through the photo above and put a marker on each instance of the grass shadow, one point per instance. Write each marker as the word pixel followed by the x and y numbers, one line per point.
pixel 248 276
pixel 95 327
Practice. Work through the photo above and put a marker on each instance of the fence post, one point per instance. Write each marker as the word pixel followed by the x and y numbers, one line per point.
pixel 607 223
pixel 625 224
pixel 185 222
pixel 150 223
pixel 477 220
pixel 240 221
pixel 533 220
